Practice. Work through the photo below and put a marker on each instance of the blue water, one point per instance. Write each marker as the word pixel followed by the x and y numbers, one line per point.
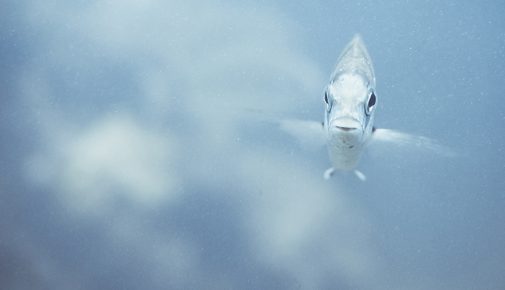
pixel 139 147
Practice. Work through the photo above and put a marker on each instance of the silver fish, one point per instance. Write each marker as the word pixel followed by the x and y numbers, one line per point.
pixel 350 101
pixel 350 106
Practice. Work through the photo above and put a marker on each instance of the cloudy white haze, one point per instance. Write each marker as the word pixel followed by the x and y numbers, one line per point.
pixel 141 149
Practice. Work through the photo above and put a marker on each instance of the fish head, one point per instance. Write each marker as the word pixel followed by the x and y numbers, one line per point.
pixel 350 97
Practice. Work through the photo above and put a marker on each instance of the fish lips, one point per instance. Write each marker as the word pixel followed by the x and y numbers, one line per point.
pixel 346 126
pixel 345 134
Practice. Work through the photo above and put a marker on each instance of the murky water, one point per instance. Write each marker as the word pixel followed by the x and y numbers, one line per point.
pixel 140 147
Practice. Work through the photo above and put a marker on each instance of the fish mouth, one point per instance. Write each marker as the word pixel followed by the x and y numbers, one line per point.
pixel 346 128
pixel 346 124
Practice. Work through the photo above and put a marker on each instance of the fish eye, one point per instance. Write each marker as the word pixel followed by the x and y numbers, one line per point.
pixel 372 99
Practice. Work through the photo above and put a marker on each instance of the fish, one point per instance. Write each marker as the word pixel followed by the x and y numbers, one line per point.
pixel 350 101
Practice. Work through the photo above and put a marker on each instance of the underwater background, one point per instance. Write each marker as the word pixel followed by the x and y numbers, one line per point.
pixel 140 146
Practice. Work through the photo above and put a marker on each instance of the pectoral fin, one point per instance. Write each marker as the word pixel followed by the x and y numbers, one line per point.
pixel 328 173
pixel 403 139
pixel 310 134
pixel 360 175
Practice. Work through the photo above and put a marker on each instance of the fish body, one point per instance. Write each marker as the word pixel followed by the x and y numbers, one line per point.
pixel 350 103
